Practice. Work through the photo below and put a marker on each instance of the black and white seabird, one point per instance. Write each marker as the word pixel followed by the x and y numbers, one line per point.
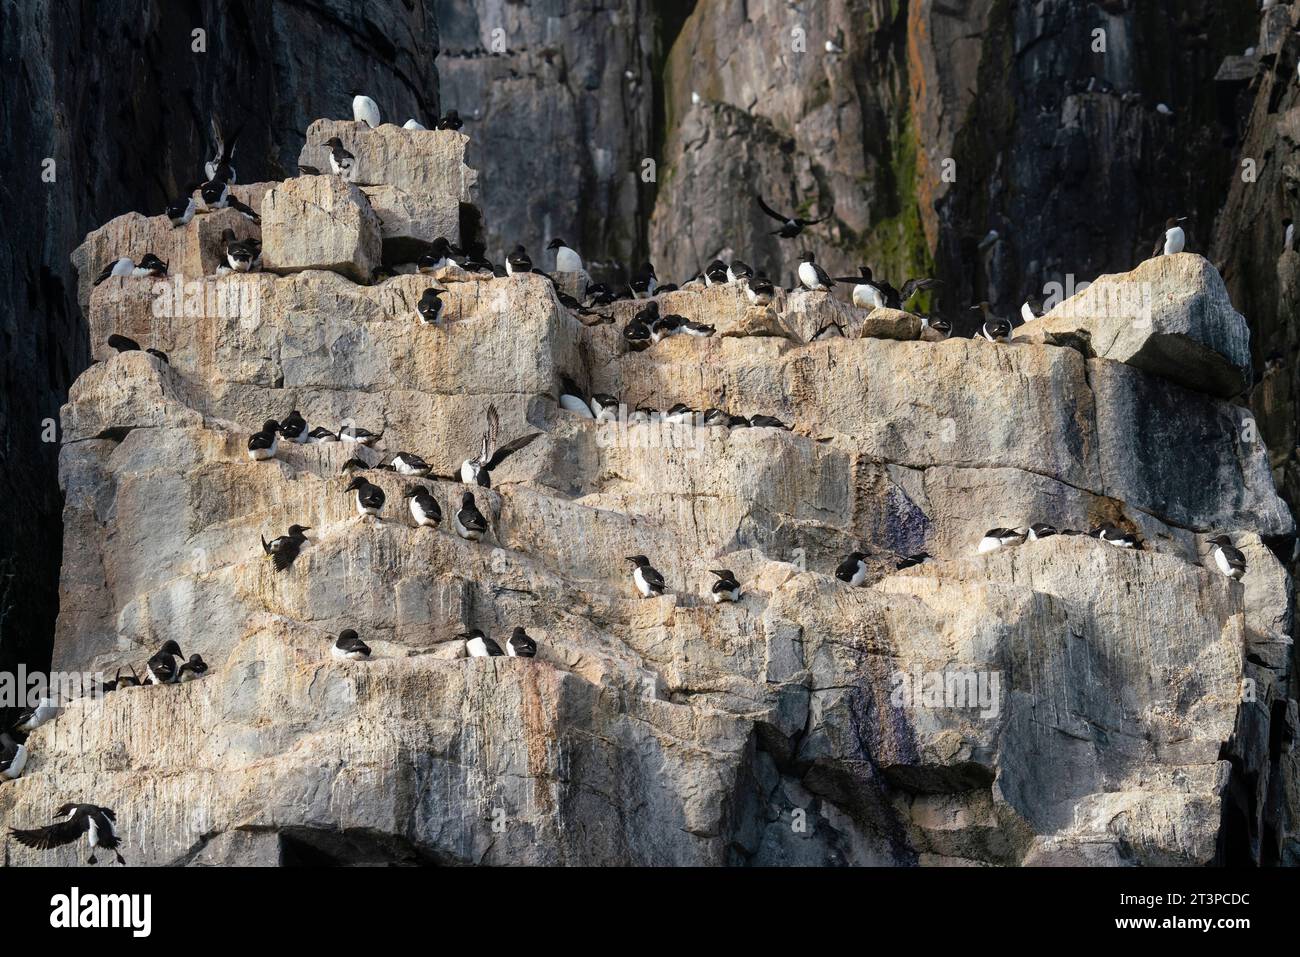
pixel 307 170
pixel 1031 309
pixel 1173 240
pixel 661 327
pixel 478 470
pixel 605 406
pixel 480 645
pixel 408 463
pixel 469 521
pixel 424 507
pixel 936 329
pixel 996 538
pixel 571 399
pixel 715 418
pixel 342 162
pixel 853 569
pixel 354 433
pixel 215 194
pixel 738 271
pixel 767 422
pixel 1040 530
pixel 1113 535
pixel 321 435
pixel 350 647
pixel 450 121
pixel 150 265
pixel 440 255
pixel 430 306
pixel 715 273
pixel 283 550
pixel 993 329
pixel 521 645
pixel 872 293
pixel 648 582
pixel 701 330
pixel 218 168
pixel 811 275
pixel 518 262
pixel 90 819
pixel 181 210
pixel 29 719
pixel 566 259
pixel 680 414
pixel 365 110
pixel 369 498
pixel 241 254
pixel 791 226
pixel 117 268
pixel 760 290
pixel 13 758
pixel 232 202
pixel 726 588
pixel 192 670
pixel 264 444
pixel 912 561
pixel 161 668
pixel 1228 559
pixel 294 427
pixel 644 282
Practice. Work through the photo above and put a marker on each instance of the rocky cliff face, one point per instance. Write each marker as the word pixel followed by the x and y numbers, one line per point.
pixel 117 97
pixel 1064 701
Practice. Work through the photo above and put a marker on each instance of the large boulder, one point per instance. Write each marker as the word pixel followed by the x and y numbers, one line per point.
pixel 320 222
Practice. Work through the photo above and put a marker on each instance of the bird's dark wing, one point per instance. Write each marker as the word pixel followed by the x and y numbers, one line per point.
pixel 355 463
pixel 283 556
pixel 510 448
pixel 913 286
pixel 490 436
pixel 813 222
pixel 52 835
pixel 1235 558
pixel 770 211
pixel 472 520
pixel 308 170
pixel 239 207
pixel 122 343
pixel 652 577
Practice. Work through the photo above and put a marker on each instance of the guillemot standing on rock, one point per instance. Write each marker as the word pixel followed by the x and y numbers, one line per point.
pixel 521 645
pixel 150 265
pixel 321 435
pixel 480 645
pixel 369 498
pixel 644 282
pixel 440 255
pixel 767 422
pixel 469 521
pixel 350 647
pixel 872 293
pixel 791 226
pixel 342 162
pixel 161 668
pixel 912 561
pixel 264 444
pixel 518 262
pixel 408 463
pixel 478 470
pixel 1040 530
pixel 218 168
pixel 430 306
pixel 241 254
pixel 1228 559
pixel 117 268
pixel 936 330
pixel 283 550
pixel 1173 240
pixel 726 588
pixel 215 194
pixel 1113 535
pixel 354 433
pixel 715 273
pixel 192 670
pixel 13 758
pixel 738 271
pixel 294 427
pixel 853 569
pixel 181 210
pixel 647 581
pixel 993 328
pixel 760 290
pixel 812 276
pixel 29 719
pixel 566 260
pixel 571 399
pixel 90 819
pixel 1031 309
pixel 996 538
pixel 424 507
pixel 365 110
pixel 450 121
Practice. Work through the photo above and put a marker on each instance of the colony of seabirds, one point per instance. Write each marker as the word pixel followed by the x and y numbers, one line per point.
pixel 645 328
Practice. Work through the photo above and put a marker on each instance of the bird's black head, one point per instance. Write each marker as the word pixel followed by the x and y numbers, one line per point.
pixel 855 556
pixel 64 810
pixel 638 560
pixel 722 573
pixel 472 633
pixel 296 531
pixel 1286 222
pixel 293 416
pixel 556 243
pixel 520 251
pixel 451 115
pixel 152 262
pixel 170 648
pixel 807 257
pixel 941 325
pixel 519 632
pixel 648 269
pixel 357 483
pixel 270 425
pixel 334 142
pixel 1222 540
pixel 467 499
pixel 347 634
pixel 414 490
